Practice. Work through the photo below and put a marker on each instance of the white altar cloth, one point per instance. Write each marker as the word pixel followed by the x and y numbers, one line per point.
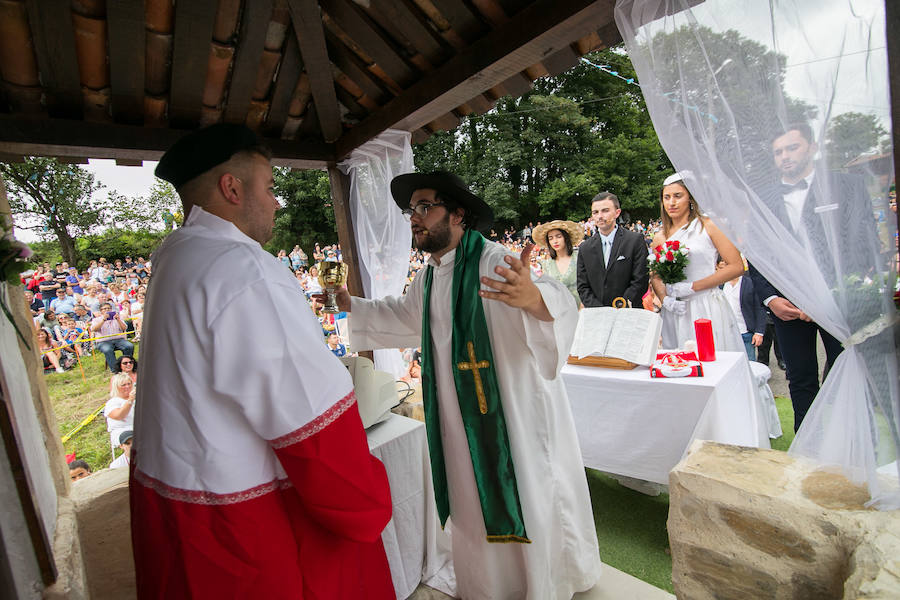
pixel 631 424
pixel 417 549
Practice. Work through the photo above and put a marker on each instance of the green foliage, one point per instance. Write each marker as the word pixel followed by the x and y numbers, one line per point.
pixel 851 134
pixel 45 251
pixel 115 244
pixel 307 215
pixel 55 200
pixel 546 154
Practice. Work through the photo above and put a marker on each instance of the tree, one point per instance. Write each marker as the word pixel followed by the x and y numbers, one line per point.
pixel 307 216
pixel 54 199
pixel 728 88
pixel 546 154
pixel 851 134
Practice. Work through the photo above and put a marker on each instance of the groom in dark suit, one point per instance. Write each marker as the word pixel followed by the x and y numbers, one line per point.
pixel 613 263
pixel 817 206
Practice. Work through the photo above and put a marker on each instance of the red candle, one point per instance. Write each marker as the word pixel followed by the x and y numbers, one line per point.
pixel 706 347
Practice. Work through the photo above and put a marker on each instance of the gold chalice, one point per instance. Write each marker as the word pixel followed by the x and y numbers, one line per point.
pixel 332 277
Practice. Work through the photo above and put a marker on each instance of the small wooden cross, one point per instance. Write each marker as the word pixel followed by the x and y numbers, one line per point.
pixel 475 367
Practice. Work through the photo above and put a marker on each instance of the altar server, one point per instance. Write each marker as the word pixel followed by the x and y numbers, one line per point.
pixel 251 474
pixel 505 460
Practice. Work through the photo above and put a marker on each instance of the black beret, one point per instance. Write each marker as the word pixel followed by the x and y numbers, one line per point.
pixel 201 150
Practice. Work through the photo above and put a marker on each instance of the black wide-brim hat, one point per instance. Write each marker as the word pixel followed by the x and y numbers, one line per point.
pixel 446 184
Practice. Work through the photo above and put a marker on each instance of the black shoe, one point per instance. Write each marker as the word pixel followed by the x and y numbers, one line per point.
pixel 781 365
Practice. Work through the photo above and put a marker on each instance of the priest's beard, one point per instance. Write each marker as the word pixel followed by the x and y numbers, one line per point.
pixel 438 236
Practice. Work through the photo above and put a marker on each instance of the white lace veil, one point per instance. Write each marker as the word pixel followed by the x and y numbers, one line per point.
pixel 722 79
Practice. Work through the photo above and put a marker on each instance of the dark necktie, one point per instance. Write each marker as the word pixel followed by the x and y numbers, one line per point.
pixel 787 188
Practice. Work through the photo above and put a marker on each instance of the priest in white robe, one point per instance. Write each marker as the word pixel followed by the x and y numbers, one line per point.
pixel 505 458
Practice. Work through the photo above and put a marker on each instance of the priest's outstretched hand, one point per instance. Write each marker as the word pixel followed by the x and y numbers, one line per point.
pixel 518 290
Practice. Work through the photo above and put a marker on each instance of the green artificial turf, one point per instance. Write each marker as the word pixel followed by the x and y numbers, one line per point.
pixel 631 526
pixel 631 530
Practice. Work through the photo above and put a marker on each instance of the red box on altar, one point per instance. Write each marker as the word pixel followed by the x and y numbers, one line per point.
pixel 676 364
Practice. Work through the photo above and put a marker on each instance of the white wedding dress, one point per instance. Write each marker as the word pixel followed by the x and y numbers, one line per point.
pixel 706 304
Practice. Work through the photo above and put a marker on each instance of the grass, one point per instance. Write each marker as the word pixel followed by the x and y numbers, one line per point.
pixel 631 526
pixel 74 398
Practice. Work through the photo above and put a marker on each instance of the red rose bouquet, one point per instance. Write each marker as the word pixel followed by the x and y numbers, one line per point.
pixel 668 261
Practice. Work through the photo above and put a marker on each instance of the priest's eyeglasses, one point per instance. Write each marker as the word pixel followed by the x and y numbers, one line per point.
pixel 420 209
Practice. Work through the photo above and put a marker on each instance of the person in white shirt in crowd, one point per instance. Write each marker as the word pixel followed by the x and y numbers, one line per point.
pixel 118 410
pixel 99 273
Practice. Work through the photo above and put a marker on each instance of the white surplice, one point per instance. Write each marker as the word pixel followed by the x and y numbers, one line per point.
pixel 563 557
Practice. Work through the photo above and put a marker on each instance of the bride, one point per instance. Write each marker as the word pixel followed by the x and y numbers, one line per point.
pixel 698 296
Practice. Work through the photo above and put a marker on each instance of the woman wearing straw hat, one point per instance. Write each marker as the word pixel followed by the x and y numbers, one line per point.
pixel 560 238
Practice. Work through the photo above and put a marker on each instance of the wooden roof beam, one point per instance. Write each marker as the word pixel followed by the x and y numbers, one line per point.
pixel 307 20
pixel 288 74
pixel 190 58
pixel 540 30
pixel 357 24
pixel 126 59
pixel 252 40
pixel 54 47
pixel 70 138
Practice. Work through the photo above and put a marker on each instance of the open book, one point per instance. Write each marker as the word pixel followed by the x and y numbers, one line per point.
pixel 630 334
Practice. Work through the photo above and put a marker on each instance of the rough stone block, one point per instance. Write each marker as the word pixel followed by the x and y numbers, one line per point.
pixel 104 526
pixel 746 523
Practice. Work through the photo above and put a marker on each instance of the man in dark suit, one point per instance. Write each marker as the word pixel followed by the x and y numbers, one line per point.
pixel 819 207
pixel 613 262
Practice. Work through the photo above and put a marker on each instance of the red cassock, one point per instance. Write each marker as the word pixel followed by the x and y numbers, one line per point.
pixel 314 535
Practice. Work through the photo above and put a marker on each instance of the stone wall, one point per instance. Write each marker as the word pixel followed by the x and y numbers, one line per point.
pixel 104 528
pixel 746 523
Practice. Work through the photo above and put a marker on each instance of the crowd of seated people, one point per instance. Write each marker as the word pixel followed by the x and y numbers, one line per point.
pixel 74 309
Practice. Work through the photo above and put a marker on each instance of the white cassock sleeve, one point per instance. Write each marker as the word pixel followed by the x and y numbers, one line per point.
pixel 284 383
pixel 392 322
pixel 549 341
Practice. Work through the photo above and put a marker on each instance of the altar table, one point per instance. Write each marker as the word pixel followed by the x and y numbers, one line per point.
pixel 631 424
pixel 417 549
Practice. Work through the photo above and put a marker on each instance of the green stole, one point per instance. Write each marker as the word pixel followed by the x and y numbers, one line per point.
pixel 479 401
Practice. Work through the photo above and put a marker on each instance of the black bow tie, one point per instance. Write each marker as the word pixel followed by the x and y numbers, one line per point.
pixel 787 188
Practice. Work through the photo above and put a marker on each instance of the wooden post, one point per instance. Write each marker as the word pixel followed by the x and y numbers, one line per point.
pixel 892 25
pixel 340 201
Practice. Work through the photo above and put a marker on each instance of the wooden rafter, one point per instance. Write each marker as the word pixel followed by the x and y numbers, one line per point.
pixel 54 46
pixel 190 57
pixel 311 38
pixel 541 29
pixel 351 65
pixel 410 22
pixel 359 26
pixel 254 24
pixel 126 59
pixel 464 20
pixel 288 75
pixel 70 138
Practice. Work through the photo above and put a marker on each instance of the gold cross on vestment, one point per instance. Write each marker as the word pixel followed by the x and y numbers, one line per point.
pixel 475 367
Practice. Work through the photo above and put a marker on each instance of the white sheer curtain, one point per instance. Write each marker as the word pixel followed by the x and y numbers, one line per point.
pixel 722 79
pixel 383 236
